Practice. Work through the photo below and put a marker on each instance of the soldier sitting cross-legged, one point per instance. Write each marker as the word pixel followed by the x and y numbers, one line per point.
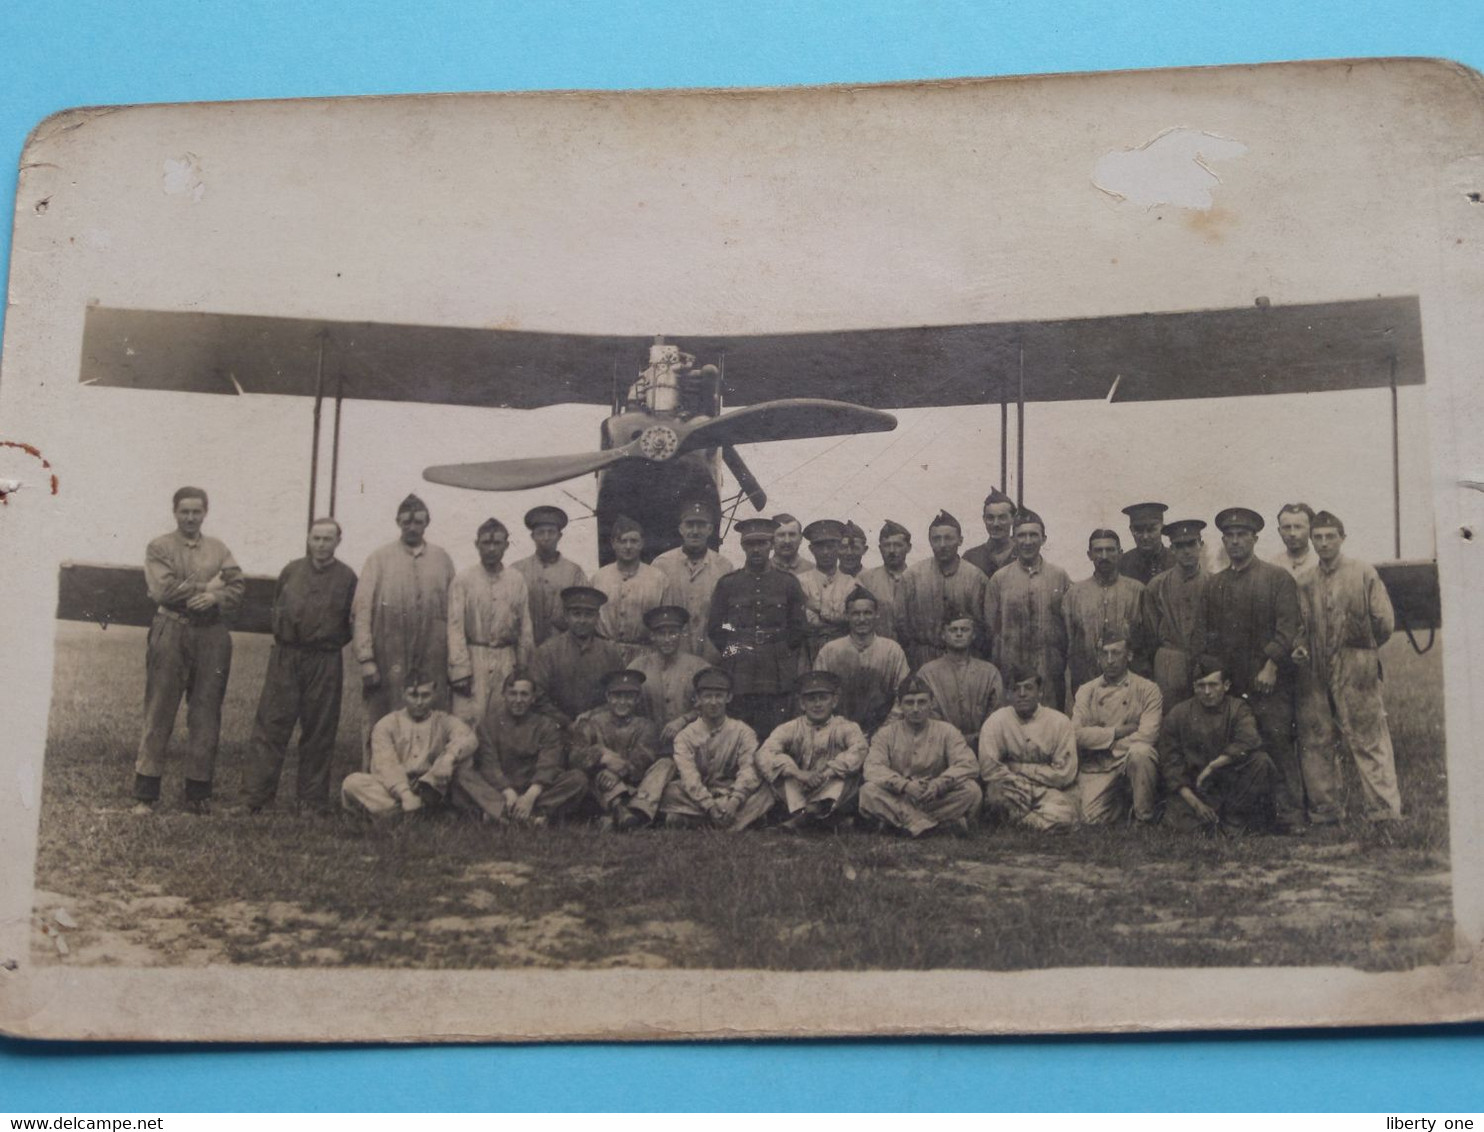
pixel 617 747
pixel 813 762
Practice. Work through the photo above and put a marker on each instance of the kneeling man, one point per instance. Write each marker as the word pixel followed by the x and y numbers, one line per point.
pixel 519 772
pixel 716 764
pixel 919 772
pixel 813 762
pixel 1028 759
pixel 618 749
pixel 1211 761
pixel 415 752
pixel 1117 721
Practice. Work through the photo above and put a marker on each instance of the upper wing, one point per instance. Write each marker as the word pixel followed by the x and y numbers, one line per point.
pixel 1188 354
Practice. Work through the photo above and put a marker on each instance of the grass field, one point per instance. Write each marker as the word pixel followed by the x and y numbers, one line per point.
pixel 283 890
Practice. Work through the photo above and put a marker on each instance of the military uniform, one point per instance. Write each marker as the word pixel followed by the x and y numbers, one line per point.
pixel 1190 739
pixel 1105 764
pixel 689 584
pixel 490 634
pixel 757 624
pixel 837 747
pixel 620 756
pixel 516 754
pixel 405 751
pixel 1023 614
pixel 1095 612
pixel 933 596
pixel 1029 767
pixel 965 690
pixel 901 757
pixel 868 675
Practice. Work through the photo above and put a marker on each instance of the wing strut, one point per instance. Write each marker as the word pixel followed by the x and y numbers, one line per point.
pixel 319 400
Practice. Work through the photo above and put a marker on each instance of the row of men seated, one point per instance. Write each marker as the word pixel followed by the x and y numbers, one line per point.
pixel 1202 765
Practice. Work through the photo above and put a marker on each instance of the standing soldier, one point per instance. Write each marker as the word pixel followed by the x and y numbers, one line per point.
pixel 569 668
pixel 1149 555
pixel 194 582
pixel 1108 604
pixel 547 573
pixel 965 689
pixel 633 587
pixel 401 617
pixel 757 625
pixel 999 524
pixel 691 571
pixel 311 627
pixel 1252 626
pixel 869 668
pixel 852 549
pixel 1350 618
pixel 1172 610
pixel 1297 557
pixel 939 589
pixel 489 625
pixel 1023 611
pixel 667 693
pixel 787 539
pixel 889 580
pixel 825 587
pixel 920 773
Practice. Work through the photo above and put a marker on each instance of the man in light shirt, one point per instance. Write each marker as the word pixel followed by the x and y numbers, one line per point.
pixel 415 753
pixel 547 572
pixel 489 625
pixel 633 587
pixel 691 571
pixel 813 762
pixel 1116 718
pixel 869 667
pixel 1028 760
pixel 920 774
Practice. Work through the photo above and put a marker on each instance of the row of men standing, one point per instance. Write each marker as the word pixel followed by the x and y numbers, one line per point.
pixel 779 615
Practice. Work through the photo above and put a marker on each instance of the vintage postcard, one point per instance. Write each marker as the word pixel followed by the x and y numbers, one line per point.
pixel 994 556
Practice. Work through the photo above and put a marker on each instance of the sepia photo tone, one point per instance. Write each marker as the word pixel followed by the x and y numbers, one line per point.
pixel 969 557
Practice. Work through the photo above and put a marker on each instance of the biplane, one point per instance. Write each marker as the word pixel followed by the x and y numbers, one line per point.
pixel 670 430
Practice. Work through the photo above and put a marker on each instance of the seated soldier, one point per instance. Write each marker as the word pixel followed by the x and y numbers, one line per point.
pixel 668 699
pixel 965 688
pixel 715 764
pixel 1213 769
pixel 415 752
pixel 1028 759
pixel 813 762
pixel 1117 721
pixel 616 748
pixel 869 666
pixel 919 773
pixel 519 772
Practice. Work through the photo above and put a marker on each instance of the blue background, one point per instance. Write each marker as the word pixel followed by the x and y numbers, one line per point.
pixel 61 54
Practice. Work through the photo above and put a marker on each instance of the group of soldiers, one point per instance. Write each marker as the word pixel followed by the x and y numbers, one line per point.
pixel 1212 692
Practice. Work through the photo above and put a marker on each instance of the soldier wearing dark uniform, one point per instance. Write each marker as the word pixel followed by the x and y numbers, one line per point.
pixel 547 573
pixel 1149 555
pixel 757 624
pixel 569 668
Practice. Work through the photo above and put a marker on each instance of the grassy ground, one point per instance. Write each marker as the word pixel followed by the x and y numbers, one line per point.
pixel 285 890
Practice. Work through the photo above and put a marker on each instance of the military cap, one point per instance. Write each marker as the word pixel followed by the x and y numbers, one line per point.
pixel 411 504
pixel 860 593
pixel 492 524
pixel 1239 517
pixel 711 679
pixel 583 597
pixel 819 681
pixel 1184 528
pixel 546 516
pixel 623 525
pixel 892 527
pixel 757 527
pixel 622 679
pixel 944 519
pixel 1327 519
pixel 822 530
pixel 675 616
pixel 1025 516
pixel 853 530
pixel 696 510
pixel 1138 512
pixel 997 496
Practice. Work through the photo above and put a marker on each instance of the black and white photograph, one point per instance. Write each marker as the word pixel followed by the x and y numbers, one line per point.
pixel 967 557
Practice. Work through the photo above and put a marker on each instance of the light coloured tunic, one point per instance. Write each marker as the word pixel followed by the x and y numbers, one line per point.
pixel 401 620
pixel 667 692
pixel 689 583
pixel 869 677
pixel 1023 615
pixel 545 582
pixel 890 592
pixel 489 634
pixel 933 596
pixel 1094 611
pixel 965 690
pixel 837 746
pixel 630 597
pixel 1029 766
pixel 900 755
pixel 710 760
pixel 403 749
pixel 177 569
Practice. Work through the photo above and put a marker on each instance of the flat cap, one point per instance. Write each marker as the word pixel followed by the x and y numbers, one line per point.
pixel 622 679
pixel 583 597
pixel 1184 528
pixel 546 516
pixel 819 681
pixel 675 616
pixel 696 510
pixel 1137 512
pixel 822 530
pixel 711 679
pixel 757 527
pixel 1239 517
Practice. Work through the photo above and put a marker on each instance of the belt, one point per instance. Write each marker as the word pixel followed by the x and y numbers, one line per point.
pixel 186 619
pixel 492 644
pixel 761 636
